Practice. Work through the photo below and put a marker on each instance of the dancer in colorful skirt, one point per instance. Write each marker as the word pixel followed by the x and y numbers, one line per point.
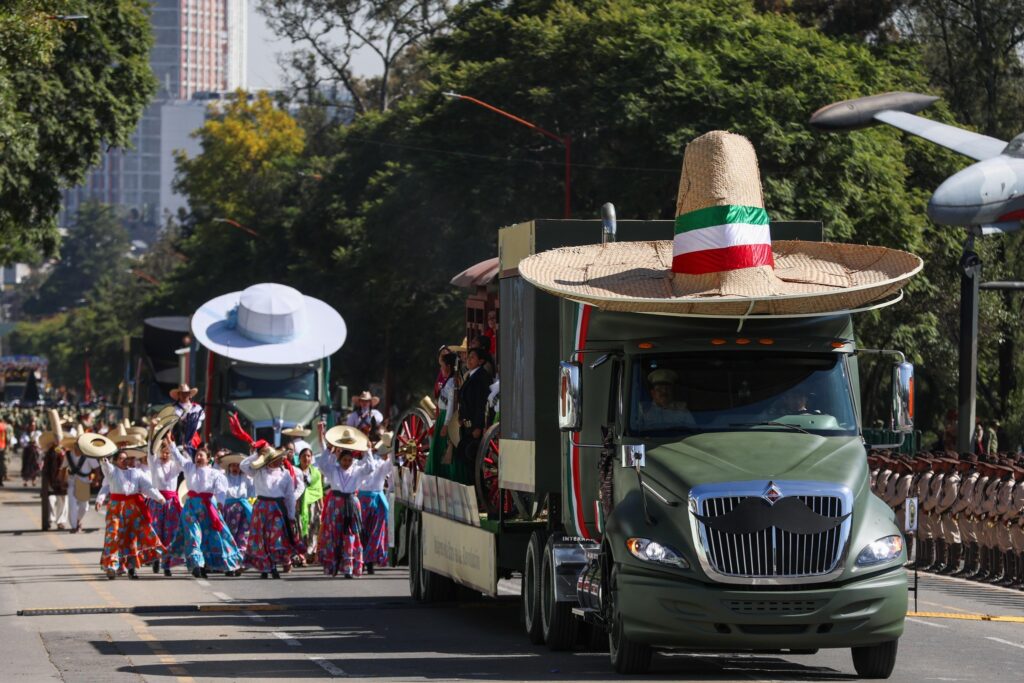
pixel 130 541
pixel 272 536
pixel 237 506
pixel 375 508
pixel 203 539
pixel 164 470
pixel 340 546
pixel 311 503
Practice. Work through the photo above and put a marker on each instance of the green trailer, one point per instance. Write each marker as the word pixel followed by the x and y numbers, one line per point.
pixel 748 526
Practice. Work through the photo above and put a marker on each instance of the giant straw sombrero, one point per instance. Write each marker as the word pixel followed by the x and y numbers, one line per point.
pixel 722 261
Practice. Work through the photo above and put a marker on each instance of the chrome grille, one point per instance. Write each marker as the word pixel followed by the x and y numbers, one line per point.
pixel 771 555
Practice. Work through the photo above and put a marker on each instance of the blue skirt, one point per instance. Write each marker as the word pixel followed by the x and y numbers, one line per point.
pixel 200 544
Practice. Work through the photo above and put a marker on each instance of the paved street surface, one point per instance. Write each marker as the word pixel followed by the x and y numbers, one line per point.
pixel 370 629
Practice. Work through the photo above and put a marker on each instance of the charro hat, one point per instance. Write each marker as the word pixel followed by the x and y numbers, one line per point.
pixel 367 396
pixel 298 430
pixel 230 459
pixel 47 440
pixel 94 445
pixel 347 438
pixel 269 324
pixel 159 430
pixel 722 261
pixel 267 455
pixel 182 390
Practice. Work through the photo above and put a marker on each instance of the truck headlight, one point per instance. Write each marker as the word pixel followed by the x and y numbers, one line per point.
pixel 882 550
pixel 651 551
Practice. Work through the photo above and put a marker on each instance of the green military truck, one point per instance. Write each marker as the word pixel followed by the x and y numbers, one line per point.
pixel 734 515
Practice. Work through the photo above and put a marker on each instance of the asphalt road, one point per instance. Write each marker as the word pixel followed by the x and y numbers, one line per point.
pixel 370 629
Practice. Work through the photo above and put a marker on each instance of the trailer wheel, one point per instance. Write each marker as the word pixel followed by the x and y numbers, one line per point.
pixel 557 621
pixel 530 590
pixel 412 438
pixel 414 549
pixel 627 656
pixel 875 661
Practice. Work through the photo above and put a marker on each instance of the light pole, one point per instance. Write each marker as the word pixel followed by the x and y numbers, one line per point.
pixel 563 139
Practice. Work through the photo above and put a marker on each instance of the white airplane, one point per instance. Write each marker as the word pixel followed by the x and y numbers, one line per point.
pixel 988 195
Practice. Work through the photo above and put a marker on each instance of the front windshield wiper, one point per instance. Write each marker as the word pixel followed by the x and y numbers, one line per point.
pixel 769 424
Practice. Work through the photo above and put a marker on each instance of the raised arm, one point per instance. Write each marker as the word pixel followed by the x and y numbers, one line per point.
pixel 246 465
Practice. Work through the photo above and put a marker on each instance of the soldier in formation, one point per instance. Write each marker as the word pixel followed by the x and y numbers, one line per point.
pixel 970 512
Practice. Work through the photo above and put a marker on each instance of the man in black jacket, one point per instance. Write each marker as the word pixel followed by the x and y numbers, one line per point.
pixel 473 407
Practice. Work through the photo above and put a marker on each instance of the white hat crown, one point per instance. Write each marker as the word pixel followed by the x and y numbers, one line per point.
pixel 270 313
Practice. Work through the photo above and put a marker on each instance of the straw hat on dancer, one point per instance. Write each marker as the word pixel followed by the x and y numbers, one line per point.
pixel 722 261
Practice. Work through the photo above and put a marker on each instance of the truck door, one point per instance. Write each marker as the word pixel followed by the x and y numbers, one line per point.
pixel 602 379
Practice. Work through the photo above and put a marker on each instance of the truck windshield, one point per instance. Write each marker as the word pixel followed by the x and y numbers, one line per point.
pixel 272 382
pixel 707 392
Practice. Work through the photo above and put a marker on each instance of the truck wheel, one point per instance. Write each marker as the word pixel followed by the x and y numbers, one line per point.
pixel 531 588
pixel 875 661
pixel 627 656
pixel 415 550
pixel 557 621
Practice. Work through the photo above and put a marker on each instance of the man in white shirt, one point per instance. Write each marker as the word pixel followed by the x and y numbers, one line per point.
pixel 366 416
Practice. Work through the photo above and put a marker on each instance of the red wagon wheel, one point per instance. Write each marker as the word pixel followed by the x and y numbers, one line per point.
pixel 412 438
pixel 488 494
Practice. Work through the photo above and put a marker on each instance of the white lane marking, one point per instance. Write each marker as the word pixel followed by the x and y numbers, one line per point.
pixel 222 596
pixel 326 665
pixel 926 623
pixel 1005 642
pixel 203 582
pixel 291 640
pixel 254 616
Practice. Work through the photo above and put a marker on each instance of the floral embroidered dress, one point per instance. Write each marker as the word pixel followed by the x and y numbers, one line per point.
pixel 167 515
pixel 374 504
pixel 341 548
pixel 129 541
pixel 271 535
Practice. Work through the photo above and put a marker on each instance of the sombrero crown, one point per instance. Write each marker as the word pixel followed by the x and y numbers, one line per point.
pixel 722 261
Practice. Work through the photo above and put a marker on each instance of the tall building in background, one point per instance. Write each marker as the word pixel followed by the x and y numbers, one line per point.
pixel 199 48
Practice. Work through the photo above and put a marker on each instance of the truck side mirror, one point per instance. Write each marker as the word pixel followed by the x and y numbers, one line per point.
pixel 903 398
pixel 570 413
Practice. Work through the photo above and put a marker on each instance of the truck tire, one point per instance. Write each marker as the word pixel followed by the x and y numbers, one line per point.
pixel 558 624
pixel 627 657
pixel 875 661
pixel 530 590
pixel 414 549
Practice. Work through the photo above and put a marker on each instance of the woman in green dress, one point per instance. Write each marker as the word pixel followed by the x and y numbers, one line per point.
pixel 311 503
pixel 447 397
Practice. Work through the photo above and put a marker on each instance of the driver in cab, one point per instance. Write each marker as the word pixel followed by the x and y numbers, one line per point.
pixel 663 411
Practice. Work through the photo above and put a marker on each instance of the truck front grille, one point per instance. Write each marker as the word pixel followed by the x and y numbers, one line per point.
pixel 772 553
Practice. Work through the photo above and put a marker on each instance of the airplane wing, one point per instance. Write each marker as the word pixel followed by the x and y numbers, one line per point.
pixel 973 145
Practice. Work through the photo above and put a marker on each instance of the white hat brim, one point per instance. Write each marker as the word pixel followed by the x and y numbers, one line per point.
pixel 324 334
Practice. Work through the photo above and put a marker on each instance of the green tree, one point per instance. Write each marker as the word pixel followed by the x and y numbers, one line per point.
pixel 97 243
pixel 67 89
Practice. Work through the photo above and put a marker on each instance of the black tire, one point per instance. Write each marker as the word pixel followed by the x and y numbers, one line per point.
pixel 530 590
pixel 627 657
pixel 875 661
pixel 558 624
pixel 593 638
pixel 414 549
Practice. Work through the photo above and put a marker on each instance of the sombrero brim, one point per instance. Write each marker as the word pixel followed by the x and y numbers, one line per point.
pixel 296 432
pixel 96 446
pixel 349 439
pixel 230 459
pixel 262 461
pixel 325 333
pixel 176 393
pixel 160 430
pixel 809 278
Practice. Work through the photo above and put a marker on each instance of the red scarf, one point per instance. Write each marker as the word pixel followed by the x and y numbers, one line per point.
pixel 211 511
pixel 138 501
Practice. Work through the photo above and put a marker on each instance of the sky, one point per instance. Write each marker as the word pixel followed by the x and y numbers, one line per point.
pixel 262 69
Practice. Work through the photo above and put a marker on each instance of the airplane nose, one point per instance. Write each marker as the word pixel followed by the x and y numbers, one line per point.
pixel 976 194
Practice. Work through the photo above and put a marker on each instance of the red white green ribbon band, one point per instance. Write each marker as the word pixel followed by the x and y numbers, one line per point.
pixel 721 238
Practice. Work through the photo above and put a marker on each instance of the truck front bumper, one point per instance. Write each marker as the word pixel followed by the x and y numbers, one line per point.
pixel 663 612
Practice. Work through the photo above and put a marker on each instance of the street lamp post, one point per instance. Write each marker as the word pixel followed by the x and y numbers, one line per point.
pixel 563 139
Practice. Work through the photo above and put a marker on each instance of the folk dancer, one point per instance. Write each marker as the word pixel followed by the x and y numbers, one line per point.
pixel 237 506
pixel 203 540
pixel 129 541
pixel 190 417
pixel 375 509
pixel 311 503
pixel 80 470
pixel 164 469
pixel 365 416
pixel 340 543
pixel 272 535
pixel 54 482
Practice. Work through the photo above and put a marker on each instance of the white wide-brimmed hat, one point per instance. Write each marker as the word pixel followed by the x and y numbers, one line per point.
pixel 181 392
pixel 269 324
pixel 347 438
pixel 722 261
pixel 96 446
